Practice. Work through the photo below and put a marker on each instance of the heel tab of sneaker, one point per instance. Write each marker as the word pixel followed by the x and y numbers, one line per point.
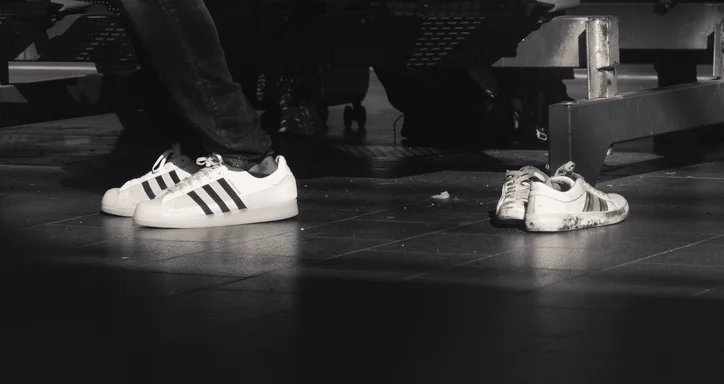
pixel 282 164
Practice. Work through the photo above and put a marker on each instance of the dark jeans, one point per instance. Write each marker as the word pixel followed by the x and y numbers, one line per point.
pixel 178 44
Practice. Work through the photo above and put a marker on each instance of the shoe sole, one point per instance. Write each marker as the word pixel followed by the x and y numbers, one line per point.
pixel 283 211
pixel 564 222
pixel 510 217
pixel 118 211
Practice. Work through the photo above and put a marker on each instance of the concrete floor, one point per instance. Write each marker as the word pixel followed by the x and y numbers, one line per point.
pixel 375 282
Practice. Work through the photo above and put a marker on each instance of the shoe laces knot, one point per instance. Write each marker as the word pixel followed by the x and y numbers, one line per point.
pixel 212 161
pixel 200 178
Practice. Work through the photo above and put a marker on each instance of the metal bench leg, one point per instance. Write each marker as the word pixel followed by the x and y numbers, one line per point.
pixel 587 147
pixel 4 72
pixel 719 51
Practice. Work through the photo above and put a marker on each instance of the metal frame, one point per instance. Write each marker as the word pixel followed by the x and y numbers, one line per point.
pixel 582 131
pixel 4 72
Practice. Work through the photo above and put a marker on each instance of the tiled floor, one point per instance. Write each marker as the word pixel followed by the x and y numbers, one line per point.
pixel 375 282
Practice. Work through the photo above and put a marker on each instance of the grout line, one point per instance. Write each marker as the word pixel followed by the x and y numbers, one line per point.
pixel 683 177
pixel 682 265
pixel 659 254
pixel 316 262
pixel 60 221
pixel 704 292
pixel 630 262
pixel 457 265
pixel 401 240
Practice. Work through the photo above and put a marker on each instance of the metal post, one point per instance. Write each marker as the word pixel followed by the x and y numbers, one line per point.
pixel 719 51
pixel 4 72
pixel 603 57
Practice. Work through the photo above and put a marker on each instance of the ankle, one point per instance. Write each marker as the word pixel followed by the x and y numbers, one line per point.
pixel 265 168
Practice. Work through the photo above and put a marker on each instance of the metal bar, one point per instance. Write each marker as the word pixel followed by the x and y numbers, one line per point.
pixel 4 72
pixel 719 51
pixel 582 131
pixel 686 26
pixel 603 57
pixel 556 45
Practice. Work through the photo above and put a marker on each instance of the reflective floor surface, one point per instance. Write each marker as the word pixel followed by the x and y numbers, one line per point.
pixel 375 282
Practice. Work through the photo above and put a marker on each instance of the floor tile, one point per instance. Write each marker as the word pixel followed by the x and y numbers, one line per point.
pixel 378 231
pixel 299 245
pixel 393 265
pixel 292 280
pixel 625 287
pixel 214 263
pixel 514 281
pixel 588 259
pixel 455 211
pixel 235 306
pixel 709 253
pixel 129 252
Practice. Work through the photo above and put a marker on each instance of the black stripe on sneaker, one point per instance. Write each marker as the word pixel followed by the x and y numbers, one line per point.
pixel 237 200
pixel 174 177
pixel 217 198
pixel 195 197
pixel 161 183
pixel 149 191
pixel 594 203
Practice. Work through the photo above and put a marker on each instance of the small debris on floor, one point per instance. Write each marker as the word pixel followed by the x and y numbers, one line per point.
pixel 442 196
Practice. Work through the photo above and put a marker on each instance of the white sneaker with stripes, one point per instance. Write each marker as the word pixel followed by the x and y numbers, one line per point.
pixel 514 197
pixel 217 196
pixel 566 203
pixel 170 168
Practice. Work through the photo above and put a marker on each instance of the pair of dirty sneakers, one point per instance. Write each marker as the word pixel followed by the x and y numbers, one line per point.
pixel 563 202
pixel 181 193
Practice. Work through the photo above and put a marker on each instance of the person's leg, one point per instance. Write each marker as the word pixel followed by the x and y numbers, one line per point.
pixel 180 40
pixel 239 182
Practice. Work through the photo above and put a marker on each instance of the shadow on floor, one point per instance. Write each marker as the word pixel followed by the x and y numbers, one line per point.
pixel 98 325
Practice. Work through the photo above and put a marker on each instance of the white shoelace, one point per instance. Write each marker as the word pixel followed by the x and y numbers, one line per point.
pixel 161 162
pixel 517 188
pixel 200 178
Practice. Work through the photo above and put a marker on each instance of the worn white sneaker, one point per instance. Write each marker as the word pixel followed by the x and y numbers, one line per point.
pixel 217 196
pixel 170 169
pixel 513 200
pixel 567 202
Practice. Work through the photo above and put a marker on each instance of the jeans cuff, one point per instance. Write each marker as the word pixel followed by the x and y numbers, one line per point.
pixel 240 162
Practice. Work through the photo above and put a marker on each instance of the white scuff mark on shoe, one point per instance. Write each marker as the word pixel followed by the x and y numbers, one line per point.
pixel 443 196
pixel 124 258
pixel 670 173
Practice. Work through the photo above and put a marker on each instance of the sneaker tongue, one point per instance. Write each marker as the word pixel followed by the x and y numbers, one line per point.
pixel 535 171
pixel 561 183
